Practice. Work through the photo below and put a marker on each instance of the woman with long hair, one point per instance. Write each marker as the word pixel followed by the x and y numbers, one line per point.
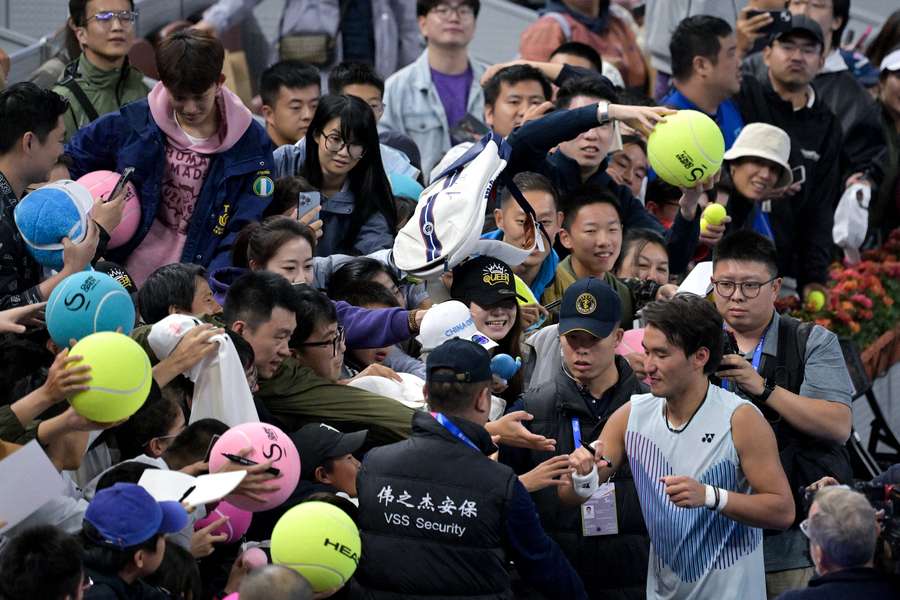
pixel 340 156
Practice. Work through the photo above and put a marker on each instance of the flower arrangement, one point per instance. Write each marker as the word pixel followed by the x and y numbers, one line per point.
pixel 862 299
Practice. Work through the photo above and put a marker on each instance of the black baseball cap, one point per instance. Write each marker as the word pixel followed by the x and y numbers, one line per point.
pixel 317 442
pixel 118 273
pixel 484 280
pixel 590 305
pixel 469 362
pixel 801 24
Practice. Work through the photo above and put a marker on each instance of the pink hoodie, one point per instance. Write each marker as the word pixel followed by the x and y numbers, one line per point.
pixel 183 176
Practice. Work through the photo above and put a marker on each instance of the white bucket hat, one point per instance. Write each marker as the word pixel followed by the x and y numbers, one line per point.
pixel 761 140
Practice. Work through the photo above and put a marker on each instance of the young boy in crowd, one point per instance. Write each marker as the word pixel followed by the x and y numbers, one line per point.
pixel 592 231
pixel 203 167
pixel 290 93
pixel 124 540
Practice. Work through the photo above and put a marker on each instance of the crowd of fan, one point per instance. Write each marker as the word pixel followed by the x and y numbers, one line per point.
pixel 316 309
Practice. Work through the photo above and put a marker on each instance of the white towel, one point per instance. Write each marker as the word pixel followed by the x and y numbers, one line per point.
pixel 220 386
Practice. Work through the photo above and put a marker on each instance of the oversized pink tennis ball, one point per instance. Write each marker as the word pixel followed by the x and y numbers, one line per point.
pixel 235 527
pixel 100 184
pixel 267 442
pixel 254 558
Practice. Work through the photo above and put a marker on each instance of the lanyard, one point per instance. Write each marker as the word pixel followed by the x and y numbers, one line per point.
pixel 576 432
pixel 757 357
pixel 452 428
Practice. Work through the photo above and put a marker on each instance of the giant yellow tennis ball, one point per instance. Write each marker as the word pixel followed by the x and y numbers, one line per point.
pixel 120 377
pixel 714 214
pixel 319 541
pixel 704 224
pixel 685 149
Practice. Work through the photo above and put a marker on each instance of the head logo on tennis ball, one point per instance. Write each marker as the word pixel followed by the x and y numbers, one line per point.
pixel 341 548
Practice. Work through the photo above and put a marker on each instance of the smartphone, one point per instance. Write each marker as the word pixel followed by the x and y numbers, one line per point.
pixel 120 185
pixel 307 201
pixel 212 442
pixel 731 346
pixel 781 20
pixel 799 174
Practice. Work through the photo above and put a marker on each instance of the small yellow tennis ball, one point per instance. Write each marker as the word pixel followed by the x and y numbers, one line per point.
pixel 703 224
pixel 816 300
pixel 686 148
pixel 320 542
pixel 526 296
pixel 120 377
pixel 714 214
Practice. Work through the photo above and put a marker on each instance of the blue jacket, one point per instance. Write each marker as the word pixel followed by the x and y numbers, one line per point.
pixel 727 116
pixel 227 202
pixel 545 274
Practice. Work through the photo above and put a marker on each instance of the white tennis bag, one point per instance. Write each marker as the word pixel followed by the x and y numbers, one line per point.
pixel 446 227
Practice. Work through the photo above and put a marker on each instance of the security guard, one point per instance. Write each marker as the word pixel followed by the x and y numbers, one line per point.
pixel 438 518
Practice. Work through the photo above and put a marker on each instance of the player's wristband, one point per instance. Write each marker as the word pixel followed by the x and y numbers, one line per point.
pixel 586 485
pixel 723 500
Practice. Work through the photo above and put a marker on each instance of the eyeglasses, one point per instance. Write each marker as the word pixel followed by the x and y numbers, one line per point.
pixel 126 17
pixel 335 143
pixel 463 11
pixel 86 583
pixel 336 341
pixel 749 289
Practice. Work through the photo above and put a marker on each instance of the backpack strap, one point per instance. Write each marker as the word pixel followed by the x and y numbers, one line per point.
pixel 563 23
pixel 71 84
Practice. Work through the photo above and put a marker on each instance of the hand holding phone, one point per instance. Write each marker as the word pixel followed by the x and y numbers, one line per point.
pixel 780 21
pixel 307 202
pixel 120 185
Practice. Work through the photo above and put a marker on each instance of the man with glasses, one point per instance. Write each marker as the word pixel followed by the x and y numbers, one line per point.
pixel 100 80
pixel 441 90
pixel 794 372
pixel 801 222
pixel 360 79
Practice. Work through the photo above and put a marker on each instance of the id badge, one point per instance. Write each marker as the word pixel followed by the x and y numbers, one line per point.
pixel 598 514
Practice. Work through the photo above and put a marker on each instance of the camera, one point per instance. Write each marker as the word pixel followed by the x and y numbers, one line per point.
pixel 886 498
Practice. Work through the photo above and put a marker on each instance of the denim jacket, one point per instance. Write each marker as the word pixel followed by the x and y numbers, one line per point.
pixel 375 233
pixel 413 107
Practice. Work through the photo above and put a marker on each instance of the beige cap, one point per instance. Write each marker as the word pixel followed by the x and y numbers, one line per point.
pixel 762 140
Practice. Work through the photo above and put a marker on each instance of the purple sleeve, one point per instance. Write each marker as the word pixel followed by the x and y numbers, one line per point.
pixel 372 328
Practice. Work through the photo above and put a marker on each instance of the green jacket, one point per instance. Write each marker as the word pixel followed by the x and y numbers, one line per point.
pixel 297 396
pixel 107 91
pixel 565 276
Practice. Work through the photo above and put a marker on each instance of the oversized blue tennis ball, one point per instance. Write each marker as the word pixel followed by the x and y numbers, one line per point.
pixel 50 213
pixel 686 148
pixel 85 303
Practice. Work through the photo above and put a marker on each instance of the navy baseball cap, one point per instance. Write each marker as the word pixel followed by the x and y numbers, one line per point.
pixel 469 362
pixel 590 305
pixel 126 515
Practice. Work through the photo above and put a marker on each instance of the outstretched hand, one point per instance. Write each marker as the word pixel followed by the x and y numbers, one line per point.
pixel 512 432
